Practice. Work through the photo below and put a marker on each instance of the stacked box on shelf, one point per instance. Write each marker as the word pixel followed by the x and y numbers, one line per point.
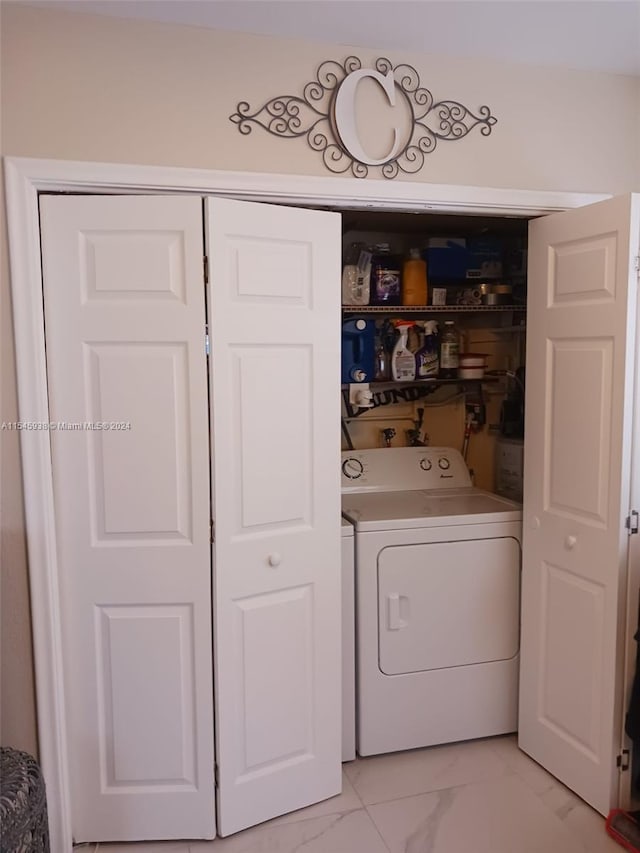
pixel 484 259
pixel 446 258
pixel 455 265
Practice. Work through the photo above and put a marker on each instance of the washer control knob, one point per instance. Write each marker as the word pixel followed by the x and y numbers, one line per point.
pixel 444 463
pixel 275 559
pixel 352 468
pixel 425 464
pixel 570 542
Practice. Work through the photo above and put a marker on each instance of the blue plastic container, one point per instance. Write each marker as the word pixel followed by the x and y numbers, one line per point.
pixel 446 259
pixel 358 350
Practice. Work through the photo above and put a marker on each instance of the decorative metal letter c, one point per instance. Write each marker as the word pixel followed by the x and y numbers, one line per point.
pixel 345 114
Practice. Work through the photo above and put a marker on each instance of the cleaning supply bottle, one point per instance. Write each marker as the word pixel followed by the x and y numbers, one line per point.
pixel 449 351
pixel 386 277
pixel 414 279
pixel 356 276
pixel 358 350
pixel 427 358
pixel 403 363
pixel 382 373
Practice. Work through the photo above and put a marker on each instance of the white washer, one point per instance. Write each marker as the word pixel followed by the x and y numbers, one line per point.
pixel 437 599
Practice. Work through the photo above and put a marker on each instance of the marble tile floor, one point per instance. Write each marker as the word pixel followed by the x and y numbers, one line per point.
pixel 483 796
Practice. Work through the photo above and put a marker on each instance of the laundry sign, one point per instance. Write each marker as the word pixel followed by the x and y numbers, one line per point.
pixel 326 115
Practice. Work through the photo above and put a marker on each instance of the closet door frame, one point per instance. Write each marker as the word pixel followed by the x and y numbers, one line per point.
pixel 25 179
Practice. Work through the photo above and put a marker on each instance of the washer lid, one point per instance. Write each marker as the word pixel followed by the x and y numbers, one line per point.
pixel 347 527
pixel 423 508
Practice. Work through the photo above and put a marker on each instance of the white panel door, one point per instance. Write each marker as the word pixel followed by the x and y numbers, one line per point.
pixel 274 319
pixel 125 309
pixel 579 400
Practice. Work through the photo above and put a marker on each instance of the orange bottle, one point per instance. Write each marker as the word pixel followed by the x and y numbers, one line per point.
pixel 414 279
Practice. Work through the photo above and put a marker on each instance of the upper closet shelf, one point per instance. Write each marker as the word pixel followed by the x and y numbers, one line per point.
pixel 422 309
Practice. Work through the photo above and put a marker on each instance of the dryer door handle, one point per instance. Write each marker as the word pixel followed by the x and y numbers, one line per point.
pixel 397 609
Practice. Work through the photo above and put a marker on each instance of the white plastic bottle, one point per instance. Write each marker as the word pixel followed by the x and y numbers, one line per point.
pixel 403 362
pixel 356 276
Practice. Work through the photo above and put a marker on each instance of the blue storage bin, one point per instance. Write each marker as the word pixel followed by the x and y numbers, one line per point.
pixel 446 258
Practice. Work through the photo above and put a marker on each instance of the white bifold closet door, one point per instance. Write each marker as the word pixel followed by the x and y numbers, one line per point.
pixel 581 418
pixel 274 320
pixel 124 295
pixel 124 308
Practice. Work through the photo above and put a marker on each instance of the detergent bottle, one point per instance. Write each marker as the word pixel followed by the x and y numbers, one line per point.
pixel 386 277
pixel 414 279
pixel 403 362
pixel 427 359
pixel 358 353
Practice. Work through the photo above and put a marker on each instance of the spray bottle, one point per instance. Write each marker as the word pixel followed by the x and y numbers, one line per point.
pixel 403 362
pixel 427 360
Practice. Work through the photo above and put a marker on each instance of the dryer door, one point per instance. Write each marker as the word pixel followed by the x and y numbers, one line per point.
pixel 447 604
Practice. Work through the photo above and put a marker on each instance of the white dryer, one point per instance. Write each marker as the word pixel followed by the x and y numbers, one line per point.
pixel 437 599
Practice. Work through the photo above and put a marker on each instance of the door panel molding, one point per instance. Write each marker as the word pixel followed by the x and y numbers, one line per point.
pixel 127 754
pixel 574 489
pixel 566 704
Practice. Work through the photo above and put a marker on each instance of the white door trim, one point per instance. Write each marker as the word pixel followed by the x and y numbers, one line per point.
pixel 25 178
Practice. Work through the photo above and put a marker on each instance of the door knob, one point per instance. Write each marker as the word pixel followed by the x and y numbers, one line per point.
pixel 570 542
pixel 275 559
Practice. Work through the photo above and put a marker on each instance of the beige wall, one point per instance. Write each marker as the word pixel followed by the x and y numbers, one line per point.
pixel 78 87
pixel 96 88
pixel 17 698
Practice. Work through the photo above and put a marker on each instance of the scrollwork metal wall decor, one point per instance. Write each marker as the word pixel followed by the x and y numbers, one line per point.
pixel 321 116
